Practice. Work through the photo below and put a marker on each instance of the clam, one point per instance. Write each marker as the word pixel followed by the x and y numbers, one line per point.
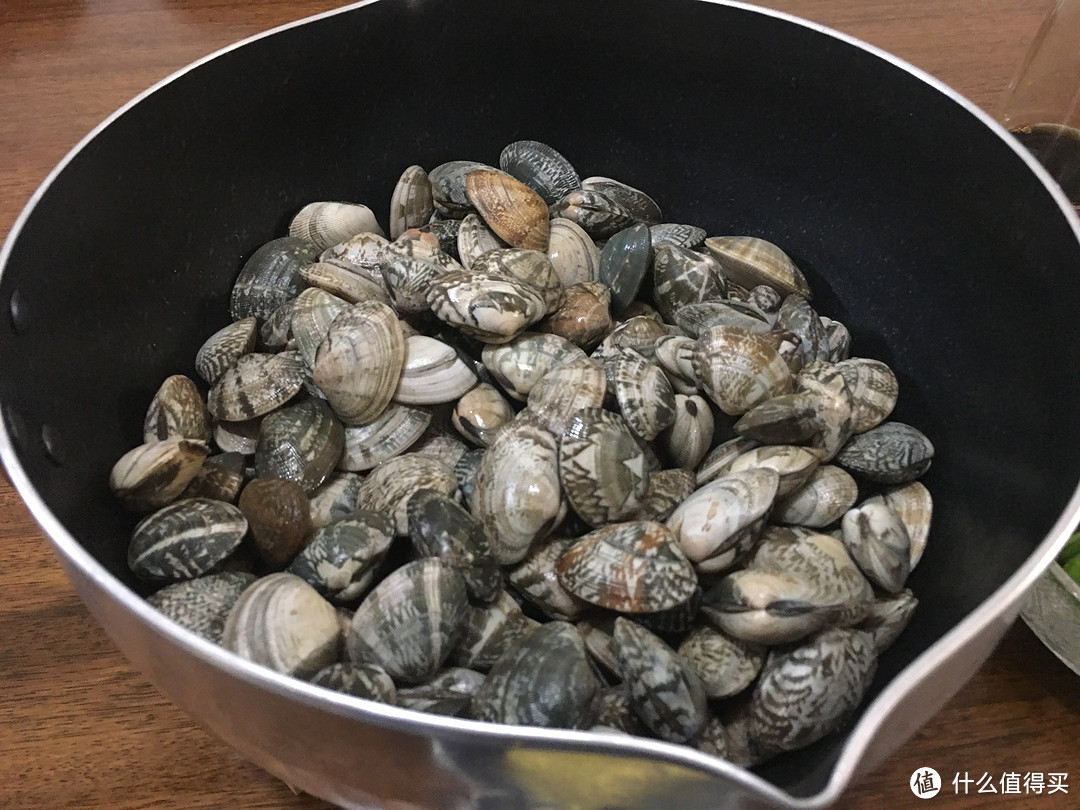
pixel 797 316
pixel 325 224
pixel 185 539
pixel 793 464
pixel 529 266
pixel 313 312
pixel 256 385
pixel 515 212
pixel 301 443
pixel 334 498
pixel 362 253
pixel 601 467
pixel 726 666
pixel 719 521
pixel 829 389
pixel 279 519
pixel 341 558
pixel 440 527
pixel 541 168
pixel 673 233
pixel 411 204
pixel 156 473
pixel 537 580
pixel 518 496
pixel 640 333
pixel 480 412
pixel 808 690
pixel 220 477
pixel 475 238
pixel 738 369
pixel 766 299
pixel 888 617
pixel 201 605
pixel 640 205
pixel 410 270
pixel 674 354
pixel 490 630
pixel 359 680
pixel 717 461
pixel 873 390
pixel 686 440
pixel 612 710
pixel 432 373
pixel 823 499
pixel 913 505
pixel 349 284
pixel 891 453
pixel 633 567
pixel 276 330
pixel 597 214
pixel 177 409
pixel 448 187
pixel 573 254
pixel 544 680
pixel 566 389
pixel 682 276
pixel 879 543
pixel 645 397
pixel 238 437
pixel 666 693
pixel 358 365
pixel 623 263
pixel 750 261
pixel 282 623
pixel 409 623
pixel 389 486
pixel 519 364
pixel 222 349
pixel 444 448
pixel 444 231
pixel 839 339
pixel 665 491
pixel 389 435
pixel 491 308
pixel 766 606
pixel 784 419
pixel 270 277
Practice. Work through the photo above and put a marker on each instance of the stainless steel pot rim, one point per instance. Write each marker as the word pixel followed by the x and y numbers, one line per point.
pixel 1001 606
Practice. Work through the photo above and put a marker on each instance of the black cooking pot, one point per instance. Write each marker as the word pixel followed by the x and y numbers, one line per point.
pixel 919 224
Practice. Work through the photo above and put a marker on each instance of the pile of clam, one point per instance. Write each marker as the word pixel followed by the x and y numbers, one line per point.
pixel 537 458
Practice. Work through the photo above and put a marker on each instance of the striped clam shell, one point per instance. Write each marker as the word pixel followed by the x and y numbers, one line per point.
pixel 410 270
pixel 634 567
pixel 682 276
pixel 325 224
pixel 432 373
pixel 493 308
pixel 891 453
pixel 717 461
pixel 410 622
pixel 334 498
pixel 488 631
pixel 793 464
pixel 640 205
pixel 358 364
pixel 341 558
pixel 798 317
pixel 156 473
pixel 474 239
pixel 389 486
pixel 300 443
pixel 684 236
pixel 201 605
pixel 220 477
pixel 822 500
pixel 536 579
pixel 725 665
pixel 359 680
pixel 694 319
pixel 222 349
pixel 177 409
pixel 914 506
pixel 313 312
pixel 516 213
pixel 784 419
pixel 806 691
pixel 666 693
pixel 888 617
pixel 270 277
pixel 362 253
pixel 238 437
pixel 411 203
pixel 674 354
pixel 666 490
pixel 519 364
pixel 878 541
pixel 440 527
pixel 529 266
pixel 545 680
pixel 738 369
pixel 595 213
pixel 256 385
pixel 349 284
pixel 573 253
pixel 392 433
pixel 873 388
pixel 750 261
pixel 282 623
pixel 185 539
pixel 541 168
pixel 565 390
pixel 645 396
pixel 602 467
pixel 612 709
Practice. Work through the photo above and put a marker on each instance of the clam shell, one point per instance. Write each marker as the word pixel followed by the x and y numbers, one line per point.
pixel 565 390
pixel 440 527
pixel 411 269
pixel 491 308
pixel 282 623
pixel 913 505
pixel 362 253
pixel 827 385
pixel 645 397
pixel 686 440
pixel 334 498
pixel 545 680
pixel 411 203
pixel 185 539
pixel 448 187
pixel 640 205
pixel 624 261
pixel 878 541
pixel 674 354
pixel 573 253
pixel 874 391
pixel 300 443
pixel 480 412
pixel 529 266
pixel 665 692
pixel 474 239
pixel 518 497
pixel 156 473
pixel 798 317
pixel 313 312
pixel 341 558
pixel 276 330
pixel 807 691
pixel 238 437
pixel 358 364
pixel 823 499
pixel 595 213
pixel 690 237
pixel 515 212
pixel 201 605
pixel 443 448
pixel 583 317
pixel 888 617
pixel 432 373
pixel 767 606
pixel 839 339
pixel 717 461
pixel 541 168
pixel 270 277
pixel 256 385
pixel 738 369
pixel 519 364
pixel 750 261
pixel 784 419
pixel 465 472
pixel 695 319
pixel 726 666
pixel 634 567
pixel 793 464
pixel 220 477
pixel 536 579
pixel 612 710
pixel 392 433
pixel 222 349
pixel 409 623
pixel 325 224
pixel 601 467
pixel 891 453
pixel 389 486
pixel 347 283
pixel 490 630
pixel 665 491
pixel 359 680
pixel 719 520
pixel 682 276
pixel 279 519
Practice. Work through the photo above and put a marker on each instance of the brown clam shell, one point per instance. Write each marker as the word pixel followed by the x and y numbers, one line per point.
pixel 510 208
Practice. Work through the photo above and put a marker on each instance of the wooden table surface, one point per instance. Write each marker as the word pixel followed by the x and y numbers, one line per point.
pixel 79 727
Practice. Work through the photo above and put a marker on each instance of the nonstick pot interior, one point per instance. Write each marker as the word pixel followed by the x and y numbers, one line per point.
pixel 918 225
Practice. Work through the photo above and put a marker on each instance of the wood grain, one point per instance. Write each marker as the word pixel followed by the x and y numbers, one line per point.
pixel 81 728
